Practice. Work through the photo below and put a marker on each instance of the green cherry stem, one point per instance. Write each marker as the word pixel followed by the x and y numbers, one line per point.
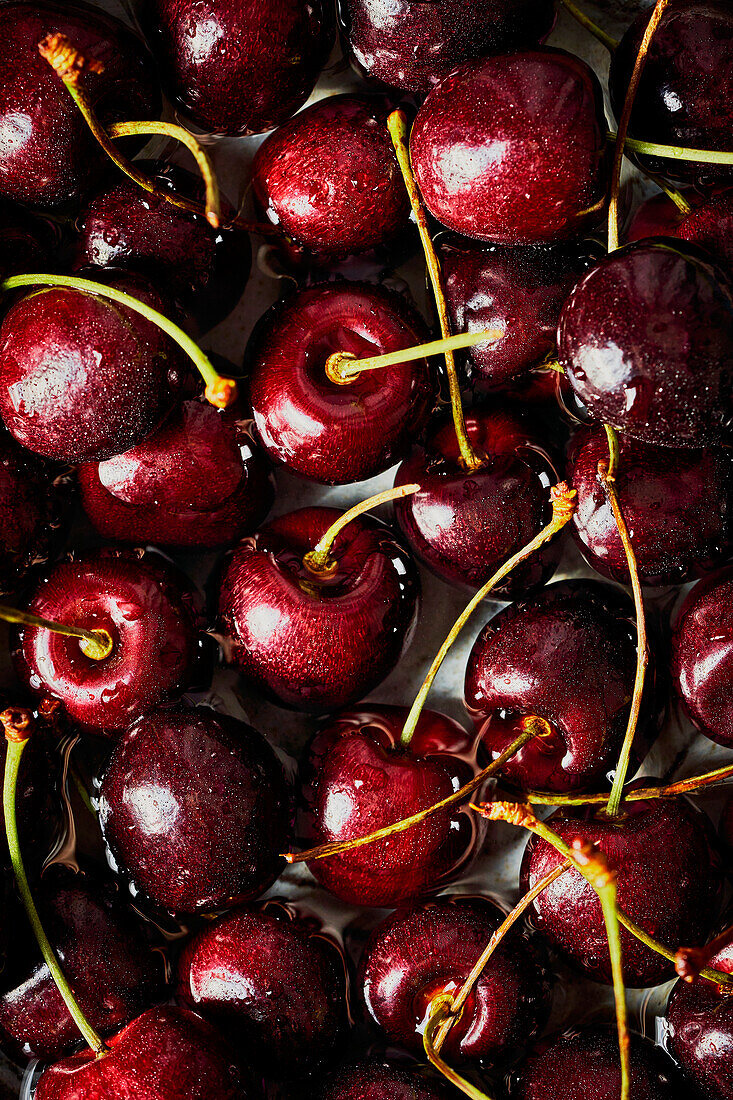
pixel 440 1014
pixel 640 794
pixel 17 735
pixel 676 152
pixel 220 392
pixel 343 368
pixel 585 21
pixel 96 644
pixel 319 559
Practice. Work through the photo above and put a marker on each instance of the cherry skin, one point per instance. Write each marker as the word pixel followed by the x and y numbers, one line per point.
pixel 567 656
pixel 29 507
pixel 413 46
pixel 465 525
pixel 168 1053
pixel 323 430
pixel 375 1080
pixel 194 806
pixel 487 142
pixel 151 617
pixel 427 951
pixel 709 224
pixel 668 879
pixel 658 365
pixel 275 986
pixel 358 779
pixel 318 641
pixel 200 480
pixel 677 502
pixel 241 66
pixel 699 1031
pixel 702 656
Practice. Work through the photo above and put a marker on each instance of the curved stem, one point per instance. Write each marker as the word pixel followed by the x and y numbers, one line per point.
pixel 397 124
pixel 563 507
pixel 585 21
pixel 220 392
pixel 96 644
pixel 319 559
pixel 641 794
pixel 343 368
pixel 436 1021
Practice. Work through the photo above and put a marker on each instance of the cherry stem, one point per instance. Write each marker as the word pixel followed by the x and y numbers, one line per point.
pixel 17 739
pixel 399 132
pixel 343 368
pixel 319 559
pixel 436 1021
pixel 220 392
pixel 641 794
pixel 564 504
pixel 585 21
pixel 675 152
pixel 671 192
pixel 607 474
pixel 96 644
pixel 689 961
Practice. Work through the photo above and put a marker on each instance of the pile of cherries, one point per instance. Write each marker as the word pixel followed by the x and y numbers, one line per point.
pixel 150 829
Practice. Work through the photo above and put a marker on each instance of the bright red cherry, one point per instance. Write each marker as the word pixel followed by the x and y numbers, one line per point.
pixel 699 1030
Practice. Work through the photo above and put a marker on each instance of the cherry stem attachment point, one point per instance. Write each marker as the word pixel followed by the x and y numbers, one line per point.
pixel 689 961
pixel 585 21
pixel 399 132
pixel 640 794
pixel 319 559
pixel 440 1014
pixel 220 392
pixel 343 368
pixel 96 644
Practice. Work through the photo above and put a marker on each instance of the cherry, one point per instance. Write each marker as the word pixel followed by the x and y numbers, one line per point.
pixel 568 656
pixel 709 224
pixel 200 480
pixel 702 656
pixel 194 806
pixel 359 779
pixel 413 46
pixel 658 365
pixel 677 503
pixel 151 618
pixel 241 66
pixel 29 512
pixel 322 429
pixel 699 1030
pixel 273 984
pixel 519 291
pixel 487 142
pixel 463 525
pixel 167 1052
pixel 375 1080
pixel 318 641
pixel 48 157
pixel 428 951
pixel 668 882
pixel 329 178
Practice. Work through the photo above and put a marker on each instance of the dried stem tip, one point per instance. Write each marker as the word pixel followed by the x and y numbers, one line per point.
pixel 65 60
pixel 17 724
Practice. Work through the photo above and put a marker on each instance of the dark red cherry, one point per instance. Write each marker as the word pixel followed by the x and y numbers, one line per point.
pixel 709 224
pixel 321 641
pixel 360 779
pixel 152 618
pixel 275 987
pixel 239 66
pixel 702 656
pixel 428 951
pixel 587 1064
pixel 376 1080
pixel 512 149
pixel 29 512
pixel 414 45
pixel 104 955
pixel 668 880
pixel 465 525
pixel 699 1030
pixel 200 480
pixel 519 291
pixel 48 156
pixel 686 87
pixel 195 809
pixel 168 1053
pixel 677 502
pixel 204 269
pixel 329 178
pixel 321 429
pixel 658 364
pixel 567 656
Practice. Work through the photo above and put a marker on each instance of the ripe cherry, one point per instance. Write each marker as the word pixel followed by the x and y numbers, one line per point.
pixel 377 1080
pixel 709 224
pixel 699 1030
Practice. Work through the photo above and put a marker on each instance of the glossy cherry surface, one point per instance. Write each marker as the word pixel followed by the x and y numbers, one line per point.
pixel 151 617
pixel 424 952
pixel 657 365
pixel 324 430
pixel 168 1053
pixel 239 66
pixel 413 46
pixel 200 480
pixel 668 882
pixel 377 1080
pixel 272 983
pixel 195 809
pixel 567 656
pixel 677 502
pixel 318 641
pixel 358 779
pixel 465 525
pixel 487 143
pixel 702 655
pixel 28 512
pixel 699 1031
